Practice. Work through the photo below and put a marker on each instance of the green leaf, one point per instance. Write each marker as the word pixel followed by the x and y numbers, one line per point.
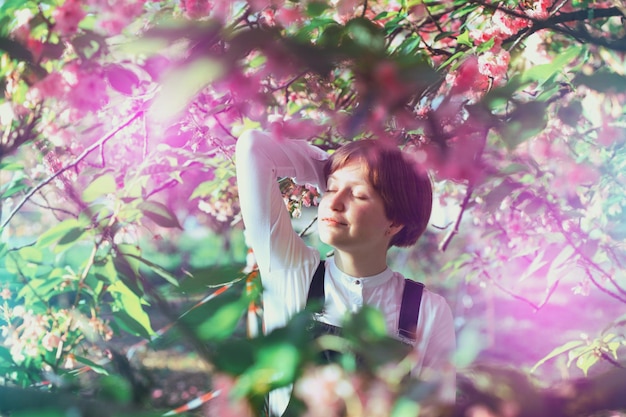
pixel 495 197
pixel 405 407
pixel 368 324
pixel 115 388
pixel 181 84
pixel 205 189
pixel 451 59
pixel 527 120
pixel 223 322
pixel 42 287
pixel 276 366
pixel 17 184
pixel 159 270
pixel 5 356
pixel 602 81
pixel 25 261
pixel 127 269
pixel 104 184
pixel 584 362
pixel 543 73
pixel 464 39
pixel 365 34
pixel 58 232
pixel 316 8
pixel 130 312
pixel 558 351
pixel 204 278
pixel 564 255
pixel 92 365
pixel 159 213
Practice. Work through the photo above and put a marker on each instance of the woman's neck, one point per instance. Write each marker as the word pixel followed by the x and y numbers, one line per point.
pixel 356 265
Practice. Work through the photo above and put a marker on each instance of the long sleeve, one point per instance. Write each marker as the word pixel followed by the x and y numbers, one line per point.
pixel 260 161
pixel 285 262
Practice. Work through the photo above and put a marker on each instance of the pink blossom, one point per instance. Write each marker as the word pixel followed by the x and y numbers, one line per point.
pixel 287 16
pixel 609 135
pixel 569 176
pixel 346 8
pixel 321 390
pixel 53 86
pixel 50 341
pixel 293 129
pixel 223 404
pixel 112 16
pixel 457 160
pixel 195 9
pixel 88 89
pixel 469 78
pixel 5 294
pixel 508 25
pixel 539 9
pixel 268 17
pixel 494 64
pixel 68 16
pixel 389 87
pixel 258 5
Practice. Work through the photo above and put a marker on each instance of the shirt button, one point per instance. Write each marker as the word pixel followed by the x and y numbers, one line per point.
pixel 357 282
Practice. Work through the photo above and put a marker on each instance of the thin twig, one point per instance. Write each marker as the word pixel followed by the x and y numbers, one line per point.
pixel 518 297
pixel 457 223
pixel 73 164
pixel 306 229
pixel 601 288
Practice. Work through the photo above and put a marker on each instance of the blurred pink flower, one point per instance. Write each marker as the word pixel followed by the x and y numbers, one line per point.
pixel 52 86
pixel 50 341
pixel 68 16
pixel 387 79
pixel 88 89
pixel 195 9
pixel 113 16
pixel 287 16
pixel 223 404
pixel 494 64
pixel 468 77
pixel 508 25
pixel 321 390
pixel 5 294
pixel 346 8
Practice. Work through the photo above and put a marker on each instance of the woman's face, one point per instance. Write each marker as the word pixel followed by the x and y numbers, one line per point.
pixel 351 215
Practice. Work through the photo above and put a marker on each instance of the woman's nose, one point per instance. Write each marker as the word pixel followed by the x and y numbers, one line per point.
pixel 336 202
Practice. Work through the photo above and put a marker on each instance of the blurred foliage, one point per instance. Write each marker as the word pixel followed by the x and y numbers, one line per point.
pixel 120 231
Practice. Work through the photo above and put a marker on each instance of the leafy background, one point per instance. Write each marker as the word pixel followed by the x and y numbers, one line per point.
pixel 124 271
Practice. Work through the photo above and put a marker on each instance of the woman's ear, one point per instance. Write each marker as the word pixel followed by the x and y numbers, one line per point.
pixel 394 229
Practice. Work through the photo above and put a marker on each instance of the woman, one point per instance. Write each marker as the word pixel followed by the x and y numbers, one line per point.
pixel 374 198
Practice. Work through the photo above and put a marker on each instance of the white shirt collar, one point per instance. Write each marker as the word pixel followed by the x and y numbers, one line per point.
pixel 367 282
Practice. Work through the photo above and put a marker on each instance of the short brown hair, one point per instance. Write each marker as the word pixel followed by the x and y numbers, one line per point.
pixel 405 189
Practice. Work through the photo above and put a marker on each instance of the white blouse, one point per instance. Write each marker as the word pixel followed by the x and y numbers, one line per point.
pixel 287 264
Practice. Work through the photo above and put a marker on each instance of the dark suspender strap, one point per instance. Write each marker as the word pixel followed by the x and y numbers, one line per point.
pixel 410 308
pixel 316 290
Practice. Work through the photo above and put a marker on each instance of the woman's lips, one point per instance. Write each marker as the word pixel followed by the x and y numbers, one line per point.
pixel 333 222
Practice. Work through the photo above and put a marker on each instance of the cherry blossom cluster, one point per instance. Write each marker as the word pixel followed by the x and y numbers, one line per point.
pixel 30 335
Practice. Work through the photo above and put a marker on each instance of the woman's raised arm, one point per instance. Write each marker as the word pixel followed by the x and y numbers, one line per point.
pixel 260 161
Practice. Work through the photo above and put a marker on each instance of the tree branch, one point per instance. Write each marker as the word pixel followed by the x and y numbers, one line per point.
pixel 457 223
pixel 71 165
